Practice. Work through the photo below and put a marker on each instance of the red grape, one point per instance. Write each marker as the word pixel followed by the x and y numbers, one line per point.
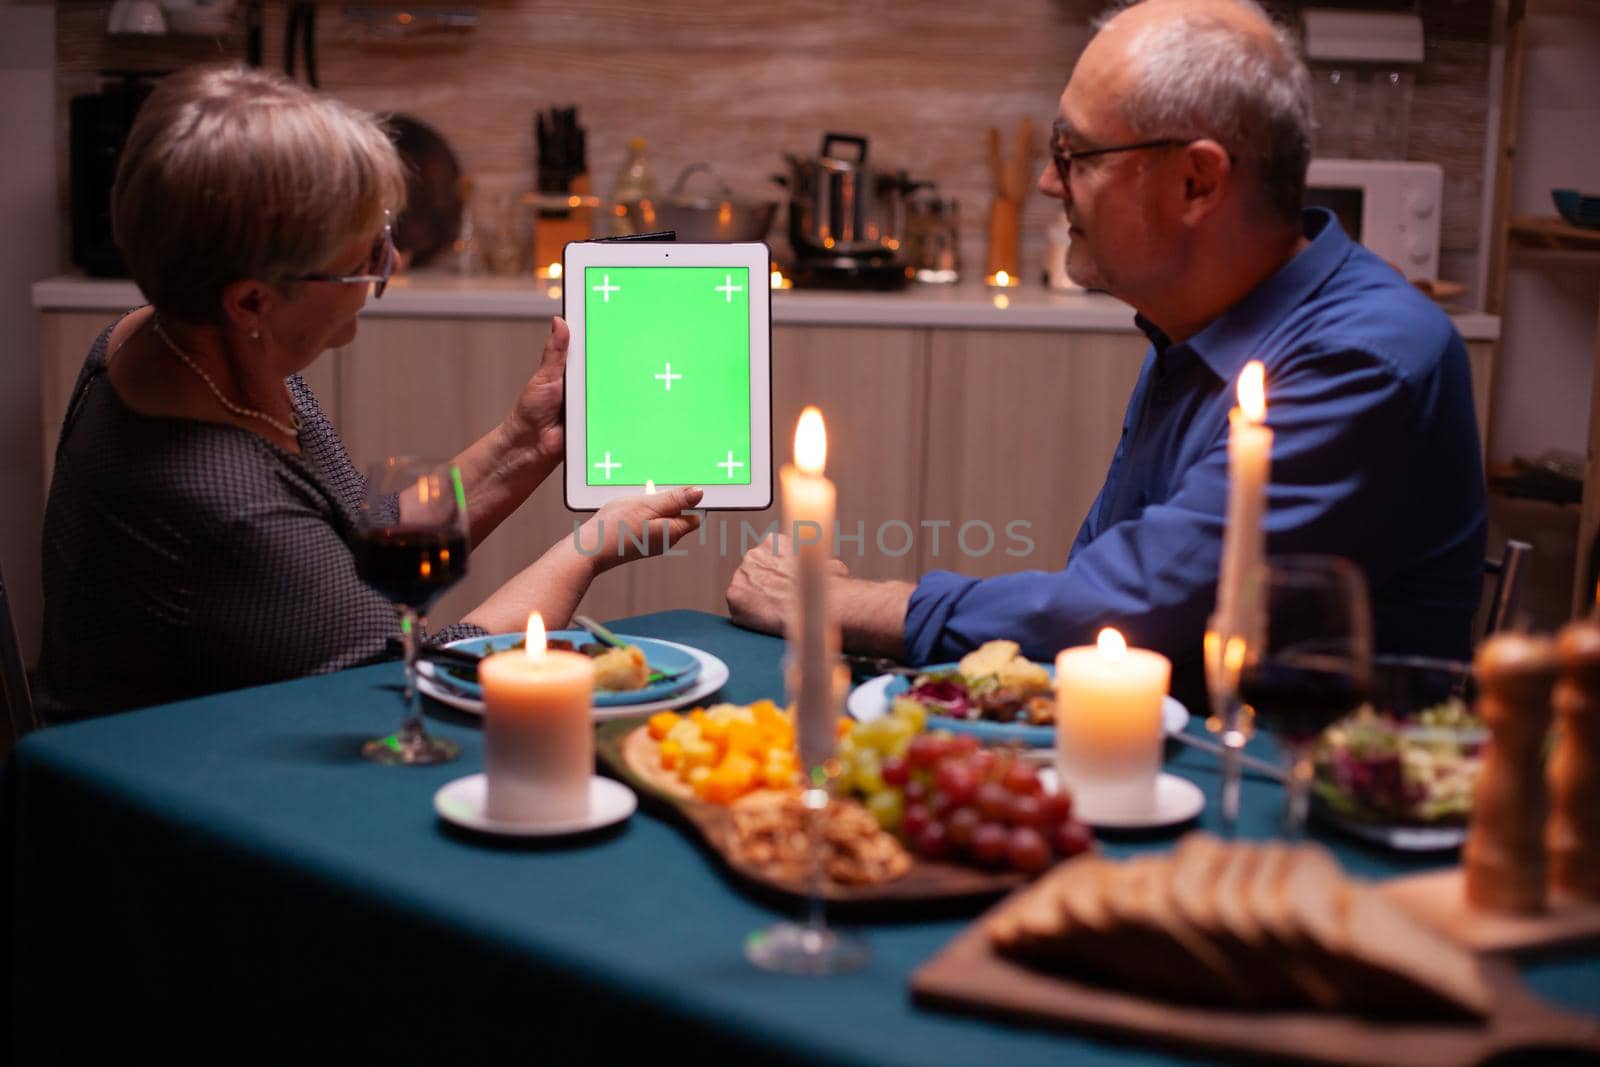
pixel 923 751
pixel 964 744
pixel 916 820
pixel 982 763
pixel 940 744
pixel 993 801
pixel 989 843
pixel 1021 779
pixel 1071 838
pixel 961 824
pixel 941 804
pixel 933 843
pixel 1027 850
pixel 916 791
pixel 1027 811
pixel 895 771
pixel 1057 806
pixel 955 780
pixel 1002 761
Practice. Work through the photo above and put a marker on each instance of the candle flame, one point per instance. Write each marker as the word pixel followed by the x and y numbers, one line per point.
pixel 537 645
pixel 1253 391
pixel 1002 278
pixel 553 271
pixel 810 442
pixel 1111 643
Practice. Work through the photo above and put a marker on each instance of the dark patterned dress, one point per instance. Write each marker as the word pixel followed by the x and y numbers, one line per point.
pixel 185 557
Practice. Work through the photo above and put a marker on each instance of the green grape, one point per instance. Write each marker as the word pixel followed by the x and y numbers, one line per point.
pixel 911 711
pixel 900 733
pixel 888 807
pixel 868 776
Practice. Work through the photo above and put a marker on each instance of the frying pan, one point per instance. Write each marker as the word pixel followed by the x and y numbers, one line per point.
pixel 432 216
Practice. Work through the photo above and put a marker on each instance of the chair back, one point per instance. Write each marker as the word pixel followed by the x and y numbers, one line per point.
pixel 1504 576
pixel 20 715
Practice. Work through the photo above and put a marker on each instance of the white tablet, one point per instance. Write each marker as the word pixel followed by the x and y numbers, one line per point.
pixel 669 373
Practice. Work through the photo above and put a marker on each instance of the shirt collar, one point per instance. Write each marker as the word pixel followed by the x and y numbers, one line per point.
pixel 1233 338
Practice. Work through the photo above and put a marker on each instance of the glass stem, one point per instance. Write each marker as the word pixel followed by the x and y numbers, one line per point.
pixel 816 801
pixel 1299 789
pixel 1232 766
pixel 410 623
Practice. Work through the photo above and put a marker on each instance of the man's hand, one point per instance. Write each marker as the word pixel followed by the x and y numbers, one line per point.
pixel 535 421
pixel 762 593
pixel 632 527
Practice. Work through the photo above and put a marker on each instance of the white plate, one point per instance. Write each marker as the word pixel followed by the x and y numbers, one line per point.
pixel 868 701
pixel 1177 801
pixel 713 676
pixel 461 802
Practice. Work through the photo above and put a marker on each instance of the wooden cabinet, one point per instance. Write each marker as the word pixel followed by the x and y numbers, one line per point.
pixel 971 450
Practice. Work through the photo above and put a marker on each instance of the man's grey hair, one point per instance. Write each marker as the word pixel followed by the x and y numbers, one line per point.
pixel 1200 77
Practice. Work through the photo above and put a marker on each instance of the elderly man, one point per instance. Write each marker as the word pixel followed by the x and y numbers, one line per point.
pixel 1180 151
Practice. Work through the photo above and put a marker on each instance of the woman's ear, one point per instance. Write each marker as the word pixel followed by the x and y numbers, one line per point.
pixel 1206 170
pixel 245 304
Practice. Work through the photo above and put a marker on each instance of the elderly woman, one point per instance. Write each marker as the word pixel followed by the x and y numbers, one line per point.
pixel 200 524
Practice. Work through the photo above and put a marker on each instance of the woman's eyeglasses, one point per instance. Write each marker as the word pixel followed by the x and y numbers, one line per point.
pixel 377 270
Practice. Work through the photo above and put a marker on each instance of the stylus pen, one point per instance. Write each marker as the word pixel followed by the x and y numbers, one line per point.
pixel 658 235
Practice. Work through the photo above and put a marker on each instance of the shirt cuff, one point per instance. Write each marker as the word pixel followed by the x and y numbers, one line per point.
pixel 933 601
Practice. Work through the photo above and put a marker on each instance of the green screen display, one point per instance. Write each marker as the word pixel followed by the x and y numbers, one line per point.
pixel 667 375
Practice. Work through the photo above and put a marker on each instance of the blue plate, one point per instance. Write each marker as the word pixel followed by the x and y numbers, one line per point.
pixel 662 657
pixel 985 730
pixel 1174 716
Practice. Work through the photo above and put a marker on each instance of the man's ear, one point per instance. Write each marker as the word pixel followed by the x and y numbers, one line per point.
pixel 1207 168
pixel 245 304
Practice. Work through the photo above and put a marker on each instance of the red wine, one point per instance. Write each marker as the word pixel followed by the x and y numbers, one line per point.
pixel 1299 698
pixel 411 567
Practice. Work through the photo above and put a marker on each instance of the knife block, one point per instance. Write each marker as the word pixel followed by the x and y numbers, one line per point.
pixel 552 231
pixel 1005 239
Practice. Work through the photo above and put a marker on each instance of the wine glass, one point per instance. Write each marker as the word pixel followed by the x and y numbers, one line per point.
pixel 1224 653
pixel 812 947
pixel 1313 664
pixel 411 545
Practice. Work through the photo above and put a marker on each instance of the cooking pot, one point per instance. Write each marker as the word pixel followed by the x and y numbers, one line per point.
pixel 839 206
pixel 719 217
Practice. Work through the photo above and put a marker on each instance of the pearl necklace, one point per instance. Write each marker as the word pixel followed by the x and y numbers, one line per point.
pixel 244 412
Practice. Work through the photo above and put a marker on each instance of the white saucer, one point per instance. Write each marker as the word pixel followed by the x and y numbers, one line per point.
pixel 461 802
pixel 869 701
pixel 713 676
pixel 1177 801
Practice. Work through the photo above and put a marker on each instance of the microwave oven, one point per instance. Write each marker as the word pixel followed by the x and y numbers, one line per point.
pixel 1390 206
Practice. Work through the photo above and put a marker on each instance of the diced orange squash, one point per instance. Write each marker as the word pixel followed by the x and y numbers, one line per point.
pixel 671 754
pixel 661 722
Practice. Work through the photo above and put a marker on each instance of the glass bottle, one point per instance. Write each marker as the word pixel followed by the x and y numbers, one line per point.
pixel 633 183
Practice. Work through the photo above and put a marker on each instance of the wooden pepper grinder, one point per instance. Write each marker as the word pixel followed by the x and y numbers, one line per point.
pixel 1573 834
pixel 1504 856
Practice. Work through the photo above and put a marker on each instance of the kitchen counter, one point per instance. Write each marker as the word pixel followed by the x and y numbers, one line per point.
pixel 426 294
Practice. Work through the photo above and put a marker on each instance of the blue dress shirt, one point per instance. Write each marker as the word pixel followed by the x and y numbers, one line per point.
pixel 1375 457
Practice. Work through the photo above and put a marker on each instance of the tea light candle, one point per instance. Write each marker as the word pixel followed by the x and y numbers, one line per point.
pixel 538 733
pixel 1244 538
pixel 809 498
pixel 1108 723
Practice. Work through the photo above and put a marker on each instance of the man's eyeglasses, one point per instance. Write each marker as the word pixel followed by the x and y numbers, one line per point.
pixel 376 270
pixel 1065 156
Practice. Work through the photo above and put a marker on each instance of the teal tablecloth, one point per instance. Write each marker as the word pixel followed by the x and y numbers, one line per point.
pixel 226 877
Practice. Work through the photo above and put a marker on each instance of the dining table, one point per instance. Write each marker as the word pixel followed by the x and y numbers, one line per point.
pixel 226 877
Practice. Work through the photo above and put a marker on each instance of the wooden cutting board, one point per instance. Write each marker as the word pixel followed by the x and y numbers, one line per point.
pixel 626 750
pixel 1439 899
pixel 967 976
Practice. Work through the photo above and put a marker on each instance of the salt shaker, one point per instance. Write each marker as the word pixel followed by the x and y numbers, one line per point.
pixel 1573 833
pixel 1504 857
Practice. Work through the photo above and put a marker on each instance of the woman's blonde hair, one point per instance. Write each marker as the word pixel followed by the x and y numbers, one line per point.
pixel 232 173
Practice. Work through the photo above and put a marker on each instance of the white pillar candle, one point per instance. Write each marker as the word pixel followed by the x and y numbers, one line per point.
pixel 1108 724
pixel 538 731
pixel 808 512
pixel 1244 538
